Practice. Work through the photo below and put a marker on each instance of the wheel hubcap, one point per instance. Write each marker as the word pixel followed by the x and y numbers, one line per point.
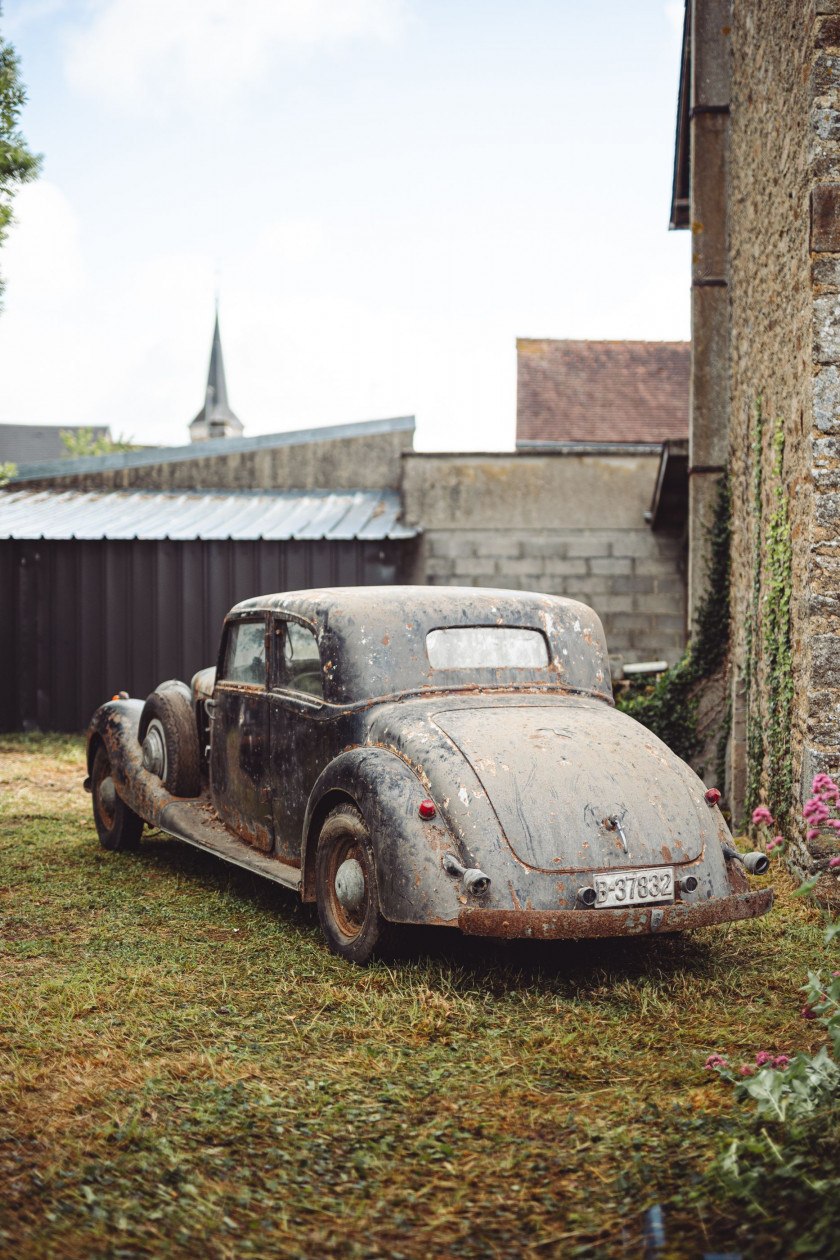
pixel 350 885
pixel 154 750
pixel 108 794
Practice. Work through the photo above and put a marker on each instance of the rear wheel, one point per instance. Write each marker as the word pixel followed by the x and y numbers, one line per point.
pixel 117 826
pixel 169 737
pixel 345 886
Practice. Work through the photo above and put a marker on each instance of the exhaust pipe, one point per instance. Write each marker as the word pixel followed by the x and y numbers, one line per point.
pixel 587 895
pixel 688 884
pixel 476 882
pixel 756 863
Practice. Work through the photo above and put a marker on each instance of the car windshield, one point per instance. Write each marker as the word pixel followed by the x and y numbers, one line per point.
pixel 486 647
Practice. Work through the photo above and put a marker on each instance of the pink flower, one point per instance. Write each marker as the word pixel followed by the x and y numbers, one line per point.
pixel 812 835
pixel 747 1069
pixel 775 843
pixel 833 822
pixel 825 787
pixel 715 1062
pixel 763 1057
pixel 835 861
pixel 781 1061
pixel 762 815
pixel 815 811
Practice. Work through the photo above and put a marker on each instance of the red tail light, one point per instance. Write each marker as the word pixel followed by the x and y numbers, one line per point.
pixel 427 809
pixel 712 796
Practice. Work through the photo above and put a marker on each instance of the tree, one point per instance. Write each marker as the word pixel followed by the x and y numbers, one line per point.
pixel 17 164
pixel 85 442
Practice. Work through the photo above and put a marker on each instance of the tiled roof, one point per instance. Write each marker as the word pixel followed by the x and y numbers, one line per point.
pixel 601 391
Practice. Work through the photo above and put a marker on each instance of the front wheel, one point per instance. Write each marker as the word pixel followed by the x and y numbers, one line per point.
pixel 345 886
pixel 117 826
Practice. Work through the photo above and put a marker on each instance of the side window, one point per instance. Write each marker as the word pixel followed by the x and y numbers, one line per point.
pixel 245 653
pixel 301 661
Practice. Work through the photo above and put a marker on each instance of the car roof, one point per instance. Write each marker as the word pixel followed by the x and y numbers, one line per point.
pixel 325 602
pixel 373 638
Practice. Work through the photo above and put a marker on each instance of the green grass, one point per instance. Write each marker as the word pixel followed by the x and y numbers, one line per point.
pixel 186 1071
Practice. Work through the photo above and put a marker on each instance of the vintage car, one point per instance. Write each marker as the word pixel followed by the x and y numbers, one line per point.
pixel 424 755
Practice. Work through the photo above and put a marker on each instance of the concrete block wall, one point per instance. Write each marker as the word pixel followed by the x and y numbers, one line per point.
pixel 563 524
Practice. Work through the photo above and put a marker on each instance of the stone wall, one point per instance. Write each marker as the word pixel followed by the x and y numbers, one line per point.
pixel 335 458
pixel 785 400
pixel 565 524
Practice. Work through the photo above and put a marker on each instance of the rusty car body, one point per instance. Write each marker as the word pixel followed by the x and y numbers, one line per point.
pixel 424 755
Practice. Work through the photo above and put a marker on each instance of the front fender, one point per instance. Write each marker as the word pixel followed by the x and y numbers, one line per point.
pixel 115 725
pixel 413 887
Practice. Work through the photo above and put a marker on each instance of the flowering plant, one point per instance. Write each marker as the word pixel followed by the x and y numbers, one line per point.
pixel 763 819
pixel 798 1084
pixel 818 814
pixel 783 1085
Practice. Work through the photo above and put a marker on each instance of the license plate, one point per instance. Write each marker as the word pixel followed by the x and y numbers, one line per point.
pixel 634 888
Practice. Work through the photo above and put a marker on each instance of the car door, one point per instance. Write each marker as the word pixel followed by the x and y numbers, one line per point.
pixel 239 745
pixel 300 728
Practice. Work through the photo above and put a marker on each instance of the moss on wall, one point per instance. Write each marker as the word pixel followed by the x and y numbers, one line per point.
pixel 769 672
pixel 669 708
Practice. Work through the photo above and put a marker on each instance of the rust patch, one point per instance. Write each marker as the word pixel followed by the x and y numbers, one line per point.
pixel 633 921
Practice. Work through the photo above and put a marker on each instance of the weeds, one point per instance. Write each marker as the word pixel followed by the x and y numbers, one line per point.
pixel 186 1071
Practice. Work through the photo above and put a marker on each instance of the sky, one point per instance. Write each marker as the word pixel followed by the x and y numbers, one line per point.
pixel 383 194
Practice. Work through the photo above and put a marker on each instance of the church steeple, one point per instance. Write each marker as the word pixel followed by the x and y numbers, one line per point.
pixel 215 420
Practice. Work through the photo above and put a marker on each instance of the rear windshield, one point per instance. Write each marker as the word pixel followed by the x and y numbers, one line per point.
pixel 486 647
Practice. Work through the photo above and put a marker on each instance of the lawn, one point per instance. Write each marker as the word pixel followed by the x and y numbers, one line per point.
pixel 186 1071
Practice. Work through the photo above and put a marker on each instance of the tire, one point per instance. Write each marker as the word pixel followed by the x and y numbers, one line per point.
pixel 169 737
pixel 354 932
pixel 175 684
pixel 117 826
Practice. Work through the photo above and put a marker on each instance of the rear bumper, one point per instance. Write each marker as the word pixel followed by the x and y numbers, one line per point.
pixel 634 921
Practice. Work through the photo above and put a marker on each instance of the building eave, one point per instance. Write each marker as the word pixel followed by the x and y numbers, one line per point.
pixel 680 202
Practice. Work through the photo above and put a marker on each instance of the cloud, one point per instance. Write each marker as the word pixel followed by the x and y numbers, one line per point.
pixel 42 262
pixel 162 53
pixel 675 14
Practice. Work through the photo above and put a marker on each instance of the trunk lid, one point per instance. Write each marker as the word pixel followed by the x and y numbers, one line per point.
pixel 555 774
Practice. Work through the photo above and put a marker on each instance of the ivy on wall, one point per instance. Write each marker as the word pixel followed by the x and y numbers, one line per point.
pixel 669 709
pixel 769 675
pixel 755 733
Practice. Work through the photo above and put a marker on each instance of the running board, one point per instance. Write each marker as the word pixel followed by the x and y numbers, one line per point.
pixel 195 824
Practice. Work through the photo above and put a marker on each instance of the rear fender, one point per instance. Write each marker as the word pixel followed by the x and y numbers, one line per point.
pixel 115 725
pixel 413 887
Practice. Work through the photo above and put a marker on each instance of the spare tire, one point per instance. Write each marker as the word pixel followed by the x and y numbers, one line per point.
pixel 169 737
pixel 175 684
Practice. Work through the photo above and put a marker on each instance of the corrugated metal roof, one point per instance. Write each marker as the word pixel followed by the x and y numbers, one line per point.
pixel 202 514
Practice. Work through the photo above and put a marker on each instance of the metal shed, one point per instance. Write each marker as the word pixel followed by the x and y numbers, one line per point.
pixel 105 591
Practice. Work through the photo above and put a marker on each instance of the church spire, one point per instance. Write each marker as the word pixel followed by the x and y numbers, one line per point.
pixel 215 420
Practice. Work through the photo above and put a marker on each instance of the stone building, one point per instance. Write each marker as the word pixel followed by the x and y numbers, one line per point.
pixel 757 181
pixel 569 519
